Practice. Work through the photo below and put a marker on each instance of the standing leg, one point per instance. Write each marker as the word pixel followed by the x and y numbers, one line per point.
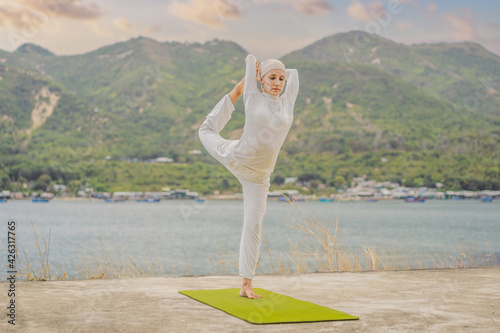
pixel 254 207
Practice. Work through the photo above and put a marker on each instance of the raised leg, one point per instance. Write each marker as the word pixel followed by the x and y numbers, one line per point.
pixel 209 130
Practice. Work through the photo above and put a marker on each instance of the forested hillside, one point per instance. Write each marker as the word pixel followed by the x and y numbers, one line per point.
pixel 416 114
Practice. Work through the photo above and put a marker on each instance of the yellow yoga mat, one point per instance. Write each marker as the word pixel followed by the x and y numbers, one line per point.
pixel 272 308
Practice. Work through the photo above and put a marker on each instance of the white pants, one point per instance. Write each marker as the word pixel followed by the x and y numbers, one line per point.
pixel 255 184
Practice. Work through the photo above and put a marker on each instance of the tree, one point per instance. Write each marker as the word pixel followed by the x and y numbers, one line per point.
pixel 73 187
pixel 313 185
pixel 337 181
pixel 42 183
pixel 278 180
pixel 307 176
pixel 492 173
pixel 4 179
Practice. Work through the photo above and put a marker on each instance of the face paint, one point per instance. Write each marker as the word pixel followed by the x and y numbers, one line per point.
pixel 268 84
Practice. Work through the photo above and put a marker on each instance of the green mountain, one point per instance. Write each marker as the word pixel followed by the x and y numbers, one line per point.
pixel 36 110
pixel 384 109
pixel 33 50
pixel 466 73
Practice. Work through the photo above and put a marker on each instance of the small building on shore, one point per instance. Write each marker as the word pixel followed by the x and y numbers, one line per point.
pixel 180 194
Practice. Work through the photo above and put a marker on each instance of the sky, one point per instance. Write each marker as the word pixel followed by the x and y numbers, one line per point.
pixel 266 28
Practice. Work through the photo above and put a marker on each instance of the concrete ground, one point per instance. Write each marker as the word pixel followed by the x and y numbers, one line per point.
pixel 441 300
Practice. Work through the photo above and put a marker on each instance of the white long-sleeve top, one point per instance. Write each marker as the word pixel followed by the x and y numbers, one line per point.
pixel 267 120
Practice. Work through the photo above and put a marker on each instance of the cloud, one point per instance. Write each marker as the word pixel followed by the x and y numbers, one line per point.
pixel 271 1
pixel 432 7
pixel 493 26
pixel 151 30
pixel 123 24
pixel 364 12
pixel 463 28
pixel 405 25
pixel 206 12
pixel 312 7
pixel 29 14
pixel 10 17
pixel 304 7
pixel 100 29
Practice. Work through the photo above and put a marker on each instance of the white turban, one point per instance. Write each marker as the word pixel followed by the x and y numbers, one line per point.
pixel 269 65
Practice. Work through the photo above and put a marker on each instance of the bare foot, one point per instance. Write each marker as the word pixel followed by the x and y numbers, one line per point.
pixel 247 291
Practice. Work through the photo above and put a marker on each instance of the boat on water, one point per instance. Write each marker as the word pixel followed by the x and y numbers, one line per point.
pixel 325 199
pixel 148 200
pixel 114 200
pixel 413 199
pixel 371 200
pixel 39 199
pixel 199 199
pixel 487 199
pixel 3 200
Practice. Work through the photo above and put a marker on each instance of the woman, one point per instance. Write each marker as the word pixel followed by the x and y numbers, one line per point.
pixel 252 158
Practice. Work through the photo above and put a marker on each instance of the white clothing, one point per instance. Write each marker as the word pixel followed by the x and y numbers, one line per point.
pixel 252 158
pixel 267 120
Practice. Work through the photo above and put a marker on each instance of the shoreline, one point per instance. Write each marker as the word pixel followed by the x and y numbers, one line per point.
pixel 236 197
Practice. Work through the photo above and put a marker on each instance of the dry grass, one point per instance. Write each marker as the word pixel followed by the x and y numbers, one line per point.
pixel 97 265
pixel 320 250
pixel 28 272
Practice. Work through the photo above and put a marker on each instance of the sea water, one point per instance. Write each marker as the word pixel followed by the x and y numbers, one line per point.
pixel 179 237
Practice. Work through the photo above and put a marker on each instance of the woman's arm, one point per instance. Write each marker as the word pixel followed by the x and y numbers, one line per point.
pixel 237 91
pixel 251 77
pixel 292 85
